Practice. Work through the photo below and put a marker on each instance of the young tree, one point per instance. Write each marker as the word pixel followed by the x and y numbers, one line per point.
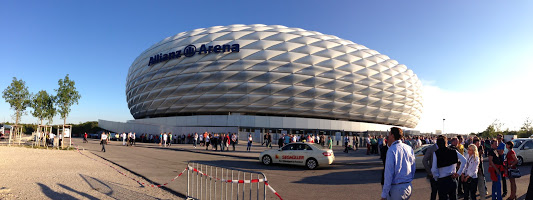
pixel 527 129
pixel 67 95
pixel 43 106
pixel 18 97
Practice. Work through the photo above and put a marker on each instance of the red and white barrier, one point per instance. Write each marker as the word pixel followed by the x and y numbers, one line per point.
pixel 238 181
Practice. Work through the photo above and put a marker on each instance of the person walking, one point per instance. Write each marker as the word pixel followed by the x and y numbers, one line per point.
pixel 170 139
pixel 103 141
pixel 223 142
pixel 207 142
pixel 195 140
pixel 264 140
pixel 374 144
pixel 249 147
pixel 367 141
pixel 355 142
pixel 214 141
pixel 346 142
pixel 511 160
pixel 399 168
pixel 427 161
pixel 444 169
pixel 469 176
pixel 228 141
pixel 133 137
pixel 330 143
pixel 269 140
pixel 280 141
pixel 234 141
pixel 165 138
pixel 85 138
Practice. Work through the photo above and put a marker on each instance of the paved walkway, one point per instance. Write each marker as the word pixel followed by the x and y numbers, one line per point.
pixel 358 157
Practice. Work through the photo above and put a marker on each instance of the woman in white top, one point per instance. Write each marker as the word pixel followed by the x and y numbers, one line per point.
pixel 249 147
pixel 207 141
pixel 469 176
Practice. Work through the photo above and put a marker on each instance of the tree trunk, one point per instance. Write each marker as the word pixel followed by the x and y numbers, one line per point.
pixel 16 126
pixel 63 133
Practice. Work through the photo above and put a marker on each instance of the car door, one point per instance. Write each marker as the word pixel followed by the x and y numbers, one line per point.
pixel 283 156
pixel 303 151
pixel 527 151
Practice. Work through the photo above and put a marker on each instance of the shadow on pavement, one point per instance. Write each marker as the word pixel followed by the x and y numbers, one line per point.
pixel 52 194
pixel 251 165
pixel 363 175
pixel 80 193
pixel 113 190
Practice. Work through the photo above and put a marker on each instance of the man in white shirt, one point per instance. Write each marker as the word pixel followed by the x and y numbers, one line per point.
pixel 195 139
pixel 165 136
pixel 103 141
pixel 52 136
pixel 444 169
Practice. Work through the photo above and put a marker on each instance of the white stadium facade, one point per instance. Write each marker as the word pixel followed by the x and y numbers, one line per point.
pixel 267 78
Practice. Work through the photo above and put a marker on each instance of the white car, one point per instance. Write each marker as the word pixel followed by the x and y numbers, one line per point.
pixel 419 155
pixel 310 155
pixel 523 147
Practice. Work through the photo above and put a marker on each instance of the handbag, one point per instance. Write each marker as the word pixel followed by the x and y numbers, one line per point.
pixel 514 173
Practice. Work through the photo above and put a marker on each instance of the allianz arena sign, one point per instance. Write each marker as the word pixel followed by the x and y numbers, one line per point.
pixel 190 50
pixel 271 70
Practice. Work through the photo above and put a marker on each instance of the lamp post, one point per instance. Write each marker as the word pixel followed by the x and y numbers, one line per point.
pixel 443 126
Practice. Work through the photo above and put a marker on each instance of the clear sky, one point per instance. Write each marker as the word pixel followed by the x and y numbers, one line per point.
pixel 474 57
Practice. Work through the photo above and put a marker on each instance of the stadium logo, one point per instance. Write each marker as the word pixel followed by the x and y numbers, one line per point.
pixel 190 50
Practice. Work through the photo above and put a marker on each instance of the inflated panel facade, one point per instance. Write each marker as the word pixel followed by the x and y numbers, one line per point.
pixel 271 70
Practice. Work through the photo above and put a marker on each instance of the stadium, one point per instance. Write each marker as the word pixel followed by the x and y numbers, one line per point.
pixel 267 78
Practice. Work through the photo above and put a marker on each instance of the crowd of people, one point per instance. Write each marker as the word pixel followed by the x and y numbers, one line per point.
pixel 454 166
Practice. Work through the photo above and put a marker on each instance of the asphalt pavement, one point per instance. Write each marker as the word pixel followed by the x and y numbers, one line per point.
pixel 353 175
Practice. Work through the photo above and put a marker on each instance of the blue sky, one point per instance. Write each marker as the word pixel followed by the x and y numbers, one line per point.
pixel 457 48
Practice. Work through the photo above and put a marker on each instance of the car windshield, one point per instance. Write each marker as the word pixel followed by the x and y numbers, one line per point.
pixel 517 143
pixel 318 146
pixel 419 149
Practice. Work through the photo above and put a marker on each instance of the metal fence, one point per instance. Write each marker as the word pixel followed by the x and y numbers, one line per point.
pixel 207 181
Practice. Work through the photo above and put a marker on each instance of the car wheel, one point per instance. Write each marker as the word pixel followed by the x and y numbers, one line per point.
pixel 520 161
pixel 267 160
pixel 311 163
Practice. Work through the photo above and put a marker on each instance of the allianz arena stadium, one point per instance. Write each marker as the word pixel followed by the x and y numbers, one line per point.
pixel 266 78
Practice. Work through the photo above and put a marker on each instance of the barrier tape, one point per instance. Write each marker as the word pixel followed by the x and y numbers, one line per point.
pixel 138 181
pixel 272 189
pixel 238 181
pixel 225 180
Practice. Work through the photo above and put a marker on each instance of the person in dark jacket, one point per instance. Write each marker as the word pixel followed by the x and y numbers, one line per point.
pixel 383 158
